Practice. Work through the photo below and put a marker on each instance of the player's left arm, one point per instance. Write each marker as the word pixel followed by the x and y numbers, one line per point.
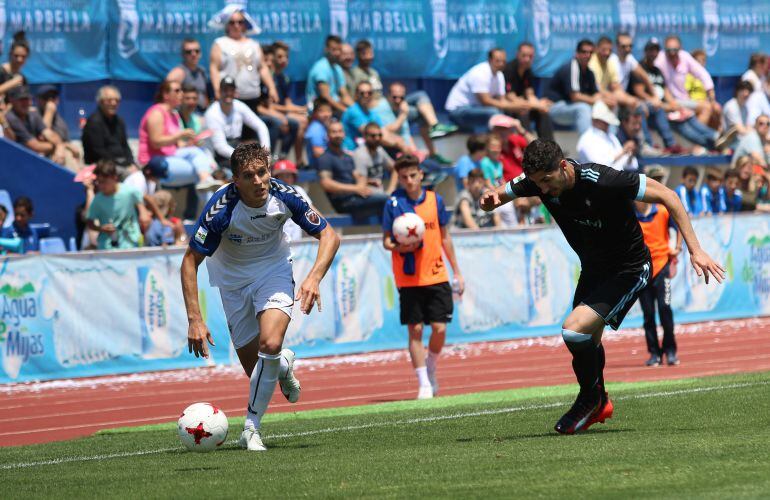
pixel 309 292
pixel 652 191
pixel 449 251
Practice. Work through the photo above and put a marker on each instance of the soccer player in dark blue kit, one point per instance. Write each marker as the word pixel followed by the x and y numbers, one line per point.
pixel 593 206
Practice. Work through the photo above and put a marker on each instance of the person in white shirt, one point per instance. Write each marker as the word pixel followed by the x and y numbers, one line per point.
pixel 757 72
pixel 146 182
pixel 598 145
pixel 626 62
pixel 226 117
pixel 480 94
pixel 240 231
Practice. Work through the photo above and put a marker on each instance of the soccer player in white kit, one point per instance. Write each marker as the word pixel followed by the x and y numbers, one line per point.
pixel 240 230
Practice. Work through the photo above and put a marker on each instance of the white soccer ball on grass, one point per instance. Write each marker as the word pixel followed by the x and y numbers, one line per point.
pixel 202 427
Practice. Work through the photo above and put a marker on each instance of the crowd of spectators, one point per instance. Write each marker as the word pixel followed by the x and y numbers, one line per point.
pixel 353 126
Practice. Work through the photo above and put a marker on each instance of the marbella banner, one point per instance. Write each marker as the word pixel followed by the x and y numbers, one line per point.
pixel 140 40
pixel 105 313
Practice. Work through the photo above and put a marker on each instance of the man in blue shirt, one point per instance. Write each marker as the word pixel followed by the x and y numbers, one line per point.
pixel 477 148
pixel 713 194
pixel 316 139
pixel 363 112
pixel 326 78
pixel 687 193
pixel 347 189
pixel 22 213
pixel 733 195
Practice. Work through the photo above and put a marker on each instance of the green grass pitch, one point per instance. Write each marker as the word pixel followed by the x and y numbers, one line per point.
pixel 696 438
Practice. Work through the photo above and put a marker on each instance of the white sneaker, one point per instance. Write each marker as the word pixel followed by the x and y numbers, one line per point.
pixel 251 440
pixel 433 381
pixel 425 392
pixel 289 384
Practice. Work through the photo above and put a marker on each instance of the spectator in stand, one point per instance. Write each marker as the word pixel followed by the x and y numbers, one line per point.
pixel 164 229
pixel 514 138
pixel 712 193
pixel 20 228
pixel 10 72
pixel 630 136
pixel 676 64
pixel 748 181
pixel 188 110
pixel 755 143
pixel 607 74
pixel 491 166
pixel 372 161
pixel 468 213
pixel 733 195
pixel 477 149
pixel 347 60
pixel 364 72
pixel 759 64
pixel 697 92
pixel 347 189
pixel 225 119
pixel 240 57
pixel 146 182
pixel 316 138
pixel 279 126
pixel 680 118
pixel 626 63
pixel 573 90
pixel 362 112
pixel 480 94
pixel 599 145
pixel 326 78
pixel 160 134
pixel 286 171
pixel 294 112
pixel 190 73
pixel 5 127
pixel 519 89
pixel 48 105
pixel 116 211
pixel 736 110
pixel 104 136
pixel 29 128
pixel 688 194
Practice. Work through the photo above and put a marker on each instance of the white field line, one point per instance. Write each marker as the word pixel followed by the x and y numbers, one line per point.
pixel 412 421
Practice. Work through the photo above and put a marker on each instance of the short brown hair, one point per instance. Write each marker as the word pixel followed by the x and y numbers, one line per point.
pixel 279 45
pixel 406 161
pixel 105 168
pixel 475 174
pixel 248 153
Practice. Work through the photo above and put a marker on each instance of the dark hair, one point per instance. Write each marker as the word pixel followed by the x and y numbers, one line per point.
pixel 363 45
pixel 19 40
pixel 744 85
pixel 626 112
pixel 525 43
pixel 542 155
pixel 476 143
pixel 698 52
pixel 732 173
pixel 757 58
pixel 604 39
pixel 105 168
pixel 371 125
pixel 268 49
pixel 713 175
pixel 164 87
pixel 581 43
pixel 406 161
pixel 22 202
pixel 189 88
pixel 3 209
pixel 493 50
pixel 189 40
pixel 475 174
pixel 688 171
pixel 279 45
pixel 332 39
pixel 319 102
pixel 247 153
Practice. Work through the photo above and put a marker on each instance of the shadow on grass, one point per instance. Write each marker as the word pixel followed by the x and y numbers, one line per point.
pixel 548 434
pixel 196 469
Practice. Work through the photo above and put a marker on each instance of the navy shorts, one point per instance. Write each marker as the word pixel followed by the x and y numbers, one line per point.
pixel 611 294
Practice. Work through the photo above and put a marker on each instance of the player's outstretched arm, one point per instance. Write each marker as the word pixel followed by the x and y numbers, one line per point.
pixel 197 331
pixel 493 198
pixel 703 264
pixel 309 292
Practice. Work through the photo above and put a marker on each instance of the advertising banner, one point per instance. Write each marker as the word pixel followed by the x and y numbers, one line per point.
pixel 102 313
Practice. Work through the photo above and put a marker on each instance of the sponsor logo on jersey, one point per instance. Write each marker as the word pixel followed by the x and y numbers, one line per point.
pixel 235 238
pixel 596 224
pixel 313 217
pixel 200 235
pixel 518 179
pixel 258 216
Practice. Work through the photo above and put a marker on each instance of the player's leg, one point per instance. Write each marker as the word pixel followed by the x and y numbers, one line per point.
pixel 438 311
pixel 417 353
pixel 435 344
pixel 647 301
pixel 663 292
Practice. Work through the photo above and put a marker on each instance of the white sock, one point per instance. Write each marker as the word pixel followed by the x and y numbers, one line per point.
pixel 431 360
pixel 422 376
pixel 284 368
pixel 261 387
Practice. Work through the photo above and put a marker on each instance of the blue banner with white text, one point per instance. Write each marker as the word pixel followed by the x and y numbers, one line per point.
pixel 106 313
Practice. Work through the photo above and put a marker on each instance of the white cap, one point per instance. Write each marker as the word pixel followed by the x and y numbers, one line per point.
pixel 601 112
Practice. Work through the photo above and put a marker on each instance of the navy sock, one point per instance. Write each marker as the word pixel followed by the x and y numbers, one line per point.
pixel 586 360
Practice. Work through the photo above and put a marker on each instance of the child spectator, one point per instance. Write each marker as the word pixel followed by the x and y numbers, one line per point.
pixel 316 138
pixel 712 193
pixel 687 193
pixel 491 165
pixel 477 149
pixel 468 212
pixel 733 195
pixel 116 210
pixel 160 234
pixel 22 213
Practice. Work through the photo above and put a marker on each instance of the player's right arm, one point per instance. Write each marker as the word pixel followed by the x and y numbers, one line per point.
pixel 520 187
pixel 197 332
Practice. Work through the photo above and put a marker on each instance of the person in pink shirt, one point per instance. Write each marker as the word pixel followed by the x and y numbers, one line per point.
pixel 676 64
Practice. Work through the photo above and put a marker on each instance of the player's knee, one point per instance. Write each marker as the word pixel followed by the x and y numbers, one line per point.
pixel 438 329
pixel 575 341
pixel 415 331
pixel 270 346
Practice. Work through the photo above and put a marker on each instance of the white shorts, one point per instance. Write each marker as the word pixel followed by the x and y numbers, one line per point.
pixel 244 304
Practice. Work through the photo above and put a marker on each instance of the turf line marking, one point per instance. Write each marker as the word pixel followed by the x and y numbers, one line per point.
pixel 411 421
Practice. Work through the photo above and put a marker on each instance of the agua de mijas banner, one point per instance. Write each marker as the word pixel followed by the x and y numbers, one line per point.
pixel 105 313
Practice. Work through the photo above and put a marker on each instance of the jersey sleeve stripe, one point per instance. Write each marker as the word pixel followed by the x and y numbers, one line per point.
pixel 509 190
pixel 642 187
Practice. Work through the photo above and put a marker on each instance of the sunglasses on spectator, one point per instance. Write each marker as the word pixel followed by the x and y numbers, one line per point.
pixel 192 51
pixel 365 92
pixel 374 135
pixel 397 97
pixel 627 46
pixel 672 51
pixel 242 22
pixel 763 122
